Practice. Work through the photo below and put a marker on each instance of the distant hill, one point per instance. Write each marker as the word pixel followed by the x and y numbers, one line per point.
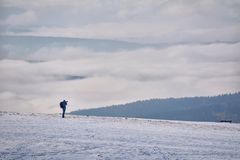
pixel 216 108
pixel 26 45
pixel 37 42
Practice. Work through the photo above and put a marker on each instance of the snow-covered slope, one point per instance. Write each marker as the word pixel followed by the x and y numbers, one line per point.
pixel 41 136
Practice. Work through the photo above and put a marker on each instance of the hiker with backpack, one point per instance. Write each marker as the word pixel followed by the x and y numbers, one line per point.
pixel 63 105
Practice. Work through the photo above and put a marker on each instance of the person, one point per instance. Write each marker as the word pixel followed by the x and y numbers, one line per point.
pixel 63 105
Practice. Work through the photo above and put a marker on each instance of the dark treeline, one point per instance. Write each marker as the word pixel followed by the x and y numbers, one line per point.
pixel 215 109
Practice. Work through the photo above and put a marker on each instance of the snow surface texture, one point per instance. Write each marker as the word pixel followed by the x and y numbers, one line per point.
pixel 41 136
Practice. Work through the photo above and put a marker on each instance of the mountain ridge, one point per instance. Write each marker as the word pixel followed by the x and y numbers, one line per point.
pixel 209 108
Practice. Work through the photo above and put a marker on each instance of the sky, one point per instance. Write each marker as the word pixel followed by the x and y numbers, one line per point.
pixel 181 48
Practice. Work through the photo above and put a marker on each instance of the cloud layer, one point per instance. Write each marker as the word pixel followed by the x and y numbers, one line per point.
pixel 146 21
pixel 89 79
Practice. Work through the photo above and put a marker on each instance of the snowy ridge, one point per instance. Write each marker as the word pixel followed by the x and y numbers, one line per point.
pixel 47 136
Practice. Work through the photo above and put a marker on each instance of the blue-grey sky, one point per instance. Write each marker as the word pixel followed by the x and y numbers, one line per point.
pixel 178 48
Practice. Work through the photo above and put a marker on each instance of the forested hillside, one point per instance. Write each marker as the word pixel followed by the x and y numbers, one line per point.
pixel 216 108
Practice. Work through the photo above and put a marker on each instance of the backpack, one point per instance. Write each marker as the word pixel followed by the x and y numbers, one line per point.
pixel 61 105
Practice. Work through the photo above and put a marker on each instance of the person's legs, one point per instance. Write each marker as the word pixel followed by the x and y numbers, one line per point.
pixel 63 112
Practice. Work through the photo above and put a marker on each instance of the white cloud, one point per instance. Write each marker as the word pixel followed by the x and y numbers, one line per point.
pixel 148 21
pixel 76 3
pixel 23 19
pixel 118 77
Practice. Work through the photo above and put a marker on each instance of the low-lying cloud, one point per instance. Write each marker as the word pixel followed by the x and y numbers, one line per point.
pixel 88 79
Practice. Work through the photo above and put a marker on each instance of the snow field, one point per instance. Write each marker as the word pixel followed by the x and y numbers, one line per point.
pixel 42 136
